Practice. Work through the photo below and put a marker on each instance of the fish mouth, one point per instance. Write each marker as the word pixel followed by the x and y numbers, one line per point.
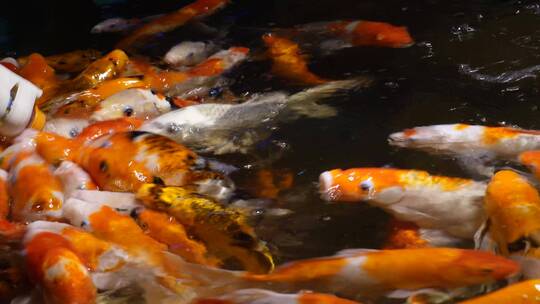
pixel 398 139
pixel 327 189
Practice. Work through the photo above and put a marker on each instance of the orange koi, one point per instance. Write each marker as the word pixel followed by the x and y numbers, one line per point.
pixel 53 265
pixel 371 33
pixel 8 230
pixel 171 21
pixel 70 62
pixel 453 205
pixel 526 292
pixel 107 67
pixel 37 71
pixel 270 183
pixel 513 208
pixel 370 272
pixel 288 62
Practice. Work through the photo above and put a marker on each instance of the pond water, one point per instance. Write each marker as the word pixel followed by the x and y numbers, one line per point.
pixel 473 62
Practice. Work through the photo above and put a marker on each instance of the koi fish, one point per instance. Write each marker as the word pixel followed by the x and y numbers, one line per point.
pixel 8 230
pixel 361 33
pixel 288 62
pixel 105 68
pixel 182 83
pixel 523 292
pixel 83 104
pixel 114 25
pixel 462 139
pixel 70 62
pixel 36 192
pixel 171 21
pixel 512 205
pixel 452 205
pixel 188 53
pixel 260 296
pixel 224 230
pixel 374 272
pixel 37 71
pixel 140 103
pixel 66 127
pixel 53 265
pixel 223 128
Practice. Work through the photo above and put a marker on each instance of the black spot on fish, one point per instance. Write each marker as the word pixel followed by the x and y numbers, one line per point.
pixel 243 239
pixel 518 245
pixel 103 166
pixel 158 181
pixel 128 111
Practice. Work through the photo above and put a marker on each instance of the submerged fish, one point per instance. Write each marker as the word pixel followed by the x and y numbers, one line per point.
pixel 261 296
pixel 403 235
pixel 171 21
pixel 452 205
pixel 288 62
pixel 225 128
pixel 70 62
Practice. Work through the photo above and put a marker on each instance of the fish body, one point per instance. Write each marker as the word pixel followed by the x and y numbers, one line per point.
pixel 288 62
pixel 405 235
pixel 139 103
pixel 66 127
pixel 261 296
pixel 70 62
pixel 170 21
pixel 525 292
pixel 453 205
pixel 459 139
pixel 224 230
pixel 225 128
pixel 369 272
pixel 73 178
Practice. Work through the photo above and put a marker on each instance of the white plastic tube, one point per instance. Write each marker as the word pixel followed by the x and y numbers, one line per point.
pixel 17 99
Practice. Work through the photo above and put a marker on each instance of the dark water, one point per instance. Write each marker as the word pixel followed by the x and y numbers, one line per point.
pixel 420 85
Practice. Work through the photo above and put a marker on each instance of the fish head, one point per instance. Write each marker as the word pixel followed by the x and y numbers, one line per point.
pixel 362 184
pixel 476 266
pixel 433 135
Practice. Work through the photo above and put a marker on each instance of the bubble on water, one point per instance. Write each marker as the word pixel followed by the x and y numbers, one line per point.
pixel 462 32
pixel 326 218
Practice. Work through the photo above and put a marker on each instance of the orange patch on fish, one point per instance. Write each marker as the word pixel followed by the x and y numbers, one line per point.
pixel 461 127
pixel 37 71
pixel 319 298
pixel 88 247
pixel 303 270
pixel 531 159
pixel 526 292
pixel 209 67
pixel 369 33
pixel 403 235
pixel 107 127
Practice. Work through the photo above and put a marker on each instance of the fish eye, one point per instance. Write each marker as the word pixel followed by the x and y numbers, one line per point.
pixel 366 185
pixel 128 111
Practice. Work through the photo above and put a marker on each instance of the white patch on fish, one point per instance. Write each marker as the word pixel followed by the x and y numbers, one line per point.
pixel 67 127
pixel 187 53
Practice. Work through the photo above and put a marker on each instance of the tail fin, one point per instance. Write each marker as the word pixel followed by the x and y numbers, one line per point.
pixel 305 103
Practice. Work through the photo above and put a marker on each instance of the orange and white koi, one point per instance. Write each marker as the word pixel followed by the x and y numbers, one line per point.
pixel 374 272
pixel 62 275
pixel 83 104
pixel 139 103
pixel 361 33
pixel 168 22
pixel 462 139
pixel 288 62
pixel 453 205
pixel 526 292
pixel 200 77
pixel 260 296
pixel 36 192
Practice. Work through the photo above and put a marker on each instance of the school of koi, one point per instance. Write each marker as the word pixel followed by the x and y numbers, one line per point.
pixel 101 183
